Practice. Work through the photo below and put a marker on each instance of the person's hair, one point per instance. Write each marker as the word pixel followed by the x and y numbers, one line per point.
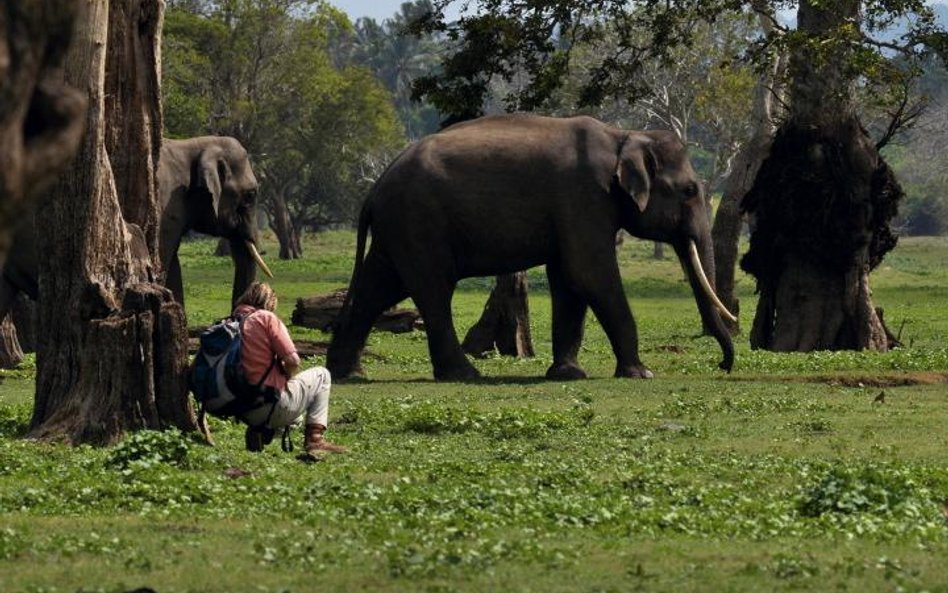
pixel 259 295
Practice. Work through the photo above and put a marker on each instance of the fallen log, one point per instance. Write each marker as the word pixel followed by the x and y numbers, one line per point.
pixel 320 312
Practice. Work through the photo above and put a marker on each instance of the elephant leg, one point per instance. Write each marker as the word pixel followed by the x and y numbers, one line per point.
pixel 377 288
pixel 432 292
pixel 569 315
pixel 447 357
pixel 173 279
pixel 602 289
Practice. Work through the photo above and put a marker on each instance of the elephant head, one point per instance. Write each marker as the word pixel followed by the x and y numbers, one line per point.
pixel 662 200
pixel 208 185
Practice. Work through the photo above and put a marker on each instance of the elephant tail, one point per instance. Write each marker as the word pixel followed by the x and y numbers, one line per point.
pixel 365 222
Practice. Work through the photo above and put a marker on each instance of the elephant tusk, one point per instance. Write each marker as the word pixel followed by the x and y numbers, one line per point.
pixel 703 279
pixel 258 259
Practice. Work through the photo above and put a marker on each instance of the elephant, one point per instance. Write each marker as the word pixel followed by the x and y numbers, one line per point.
pixel 506 193
pixel 205 184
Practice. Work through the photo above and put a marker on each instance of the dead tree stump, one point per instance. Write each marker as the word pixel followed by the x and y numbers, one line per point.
pixel 505 322
pixel 10 353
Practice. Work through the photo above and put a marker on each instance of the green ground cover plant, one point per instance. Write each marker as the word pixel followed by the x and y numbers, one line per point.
pixel 817 472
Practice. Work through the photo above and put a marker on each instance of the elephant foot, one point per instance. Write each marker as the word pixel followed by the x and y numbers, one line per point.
pixel 565 372
pixel 465 372
pixel 634 372
pixel 340 372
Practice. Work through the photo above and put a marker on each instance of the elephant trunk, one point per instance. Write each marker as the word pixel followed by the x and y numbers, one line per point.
pixel 698 261
pixel 245 267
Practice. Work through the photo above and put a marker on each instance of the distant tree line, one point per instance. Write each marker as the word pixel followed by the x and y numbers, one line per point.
pixel 323 103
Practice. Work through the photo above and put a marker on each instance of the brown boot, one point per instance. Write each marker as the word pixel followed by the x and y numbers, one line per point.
pixel 314 442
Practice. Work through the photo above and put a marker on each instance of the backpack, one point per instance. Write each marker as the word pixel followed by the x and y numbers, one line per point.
pixel 217 379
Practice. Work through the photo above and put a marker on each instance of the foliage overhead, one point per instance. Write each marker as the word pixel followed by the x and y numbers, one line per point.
pixel 272 74
pixel 534 42
pixel 397 58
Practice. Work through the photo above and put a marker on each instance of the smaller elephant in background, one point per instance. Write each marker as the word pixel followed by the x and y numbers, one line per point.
pixel 205 184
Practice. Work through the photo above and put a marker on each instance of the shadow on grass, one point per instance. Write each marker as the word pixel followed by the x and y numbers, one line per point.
pixel 492 380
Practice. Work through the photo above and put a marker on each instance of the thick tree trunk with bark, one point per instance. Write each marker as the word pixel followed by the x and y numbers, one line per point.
pixel 822 202
pixel 112 353
pixel 505 322
pixel 41 117
pixel 282 225
pixel 728 221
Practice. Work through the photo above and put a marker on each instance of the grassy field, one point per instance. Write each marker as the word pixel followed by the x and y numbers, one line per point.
pixel 789 474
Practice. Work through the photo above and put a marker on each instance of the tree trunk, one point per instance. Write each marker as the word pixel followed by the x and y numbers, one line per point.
pixel 290 247
pixel 505 322
pixel 112 353
pixel 17 332
pixel 658 250
pixel 41 117
pixel 726 231
pixel 10 353
pixel 822 202
pixel 223 247
pixel 23 315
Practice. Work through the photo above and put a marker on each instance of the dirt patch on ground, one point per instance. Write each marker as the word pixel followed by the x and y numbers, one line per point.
pixel 882 380
pixel 673 348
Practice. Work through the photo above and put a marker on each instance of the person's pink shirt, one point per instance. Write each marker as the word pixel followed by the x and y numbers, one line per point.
pixel 264 336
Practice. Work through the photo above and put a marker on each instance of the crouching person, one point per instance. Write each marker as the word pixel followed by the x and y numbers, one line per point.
pixel 269 359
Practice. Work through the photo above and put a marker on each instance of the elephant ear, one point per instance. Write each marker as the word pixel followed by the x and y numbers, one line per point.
pixel 635 170
pixel 211 174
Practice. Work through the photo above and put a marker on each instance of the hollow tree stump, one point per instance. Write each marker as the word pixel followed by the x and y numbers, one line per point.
pixel 320 312
pixel 505 322
pixel 17 332
pixel 10 353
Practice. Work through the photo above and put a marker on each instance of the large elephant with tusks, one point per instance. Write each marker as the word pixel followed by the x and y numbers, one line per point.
pixel 505 193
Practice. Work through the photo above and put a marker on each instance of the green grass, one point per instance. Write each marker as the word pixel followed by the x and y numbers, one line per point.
pixel 785 475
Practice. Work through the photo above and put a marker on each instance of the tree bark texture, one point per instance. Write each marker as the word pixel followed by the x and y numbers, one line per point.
pixel 41 117
pixel 10 353
pixel 23 315
pixel 726 231
pixel 112 353
pixel 505 322
pixel 134 120
pixel 822 203
pixel 17 332
pixel 282 224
